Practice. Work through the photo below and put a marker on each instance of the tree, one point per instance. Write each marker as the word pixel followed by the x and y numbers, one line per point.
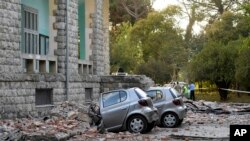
pixel 161 43
pixel 242 64
pixel 128 10
pixel 215 63
pixel 123 54
pixel 224 29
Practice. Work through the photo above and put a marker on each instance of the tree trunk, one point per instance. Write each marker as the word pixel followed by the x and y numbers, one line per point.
pixel 223 93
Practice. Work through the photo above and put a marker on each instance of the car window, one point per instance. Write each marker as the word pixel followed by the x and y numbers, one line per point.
pixel 151 94
pixel 123 95
pixel 140 93
pixel 155 94
pixel 110 98
pixel 113 98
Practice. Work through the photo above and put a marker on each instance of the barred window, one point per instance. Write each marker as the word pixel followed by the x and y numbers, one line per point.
pixel 44 97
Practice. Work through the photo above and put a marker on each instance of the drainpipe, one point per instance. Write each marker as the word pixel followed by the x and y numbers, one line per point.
pixel 67 51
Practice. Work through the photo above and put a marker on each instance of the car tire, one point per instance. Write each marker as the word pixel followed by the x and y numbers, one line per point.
pixel 137 124
pixel 169 120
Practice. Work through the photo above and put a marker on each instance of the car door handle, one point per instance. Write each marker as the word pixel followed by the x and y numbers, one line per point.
pixel 124 109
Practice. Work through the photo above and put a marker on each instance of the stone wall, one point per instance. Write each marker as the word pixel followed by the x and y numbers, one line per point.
pixel 61 39
pixel 98 41
pixel 116 82
pixel 18 89
pixel 10 30
pixel 17 98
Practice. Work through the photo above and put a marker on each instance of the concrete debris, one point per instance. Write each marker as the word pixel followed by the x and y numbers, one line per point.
pixel 217 108
pixel 70 121
pixel 64 121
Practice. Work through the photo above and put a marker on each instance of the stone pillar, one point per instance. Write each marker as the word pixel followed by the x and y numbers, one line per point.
pixel 10 37
pixel 106 36
pixel 61 37
pixel 98 40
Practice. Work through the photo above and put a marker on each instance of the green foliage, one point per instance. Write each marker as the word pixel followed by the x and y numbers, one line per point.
pixel 157 47
pixel 123 54
pixel 242 74
pixel 161 43
pixel 214 63
pixel 128 10
pixel 223 29
pixel 157 70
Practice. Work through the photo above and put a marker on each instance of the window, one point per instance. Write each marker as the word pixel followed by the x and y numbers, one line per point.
pixel 43 44
pixel 113 98
pixel 30 30
pixel 43 97
pixel 81 29
pixel 123 95
pixel 33 42
pixel 88 94
pixel 155 95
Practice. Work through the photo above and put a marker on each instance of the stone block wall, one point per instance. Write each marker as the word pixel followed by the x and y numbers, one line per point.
pixel 116 82
pixel 17 97
pixel 98 41
pixel 18 89
pixel 10 30
pixel 61 38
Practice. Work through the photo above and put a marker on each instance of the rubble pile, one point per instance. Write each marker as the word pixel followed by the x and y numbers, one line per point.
pixel 64 121
pixel 92 135
pixel 70 121
pixel 217 108
pixel 215 119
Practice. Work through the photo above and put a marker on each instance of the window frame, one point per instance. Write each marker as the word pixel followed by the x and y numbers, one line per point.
pixel 43 96
pixel 30 34
pixel 46 45
pixel 154 93
pixel 113 92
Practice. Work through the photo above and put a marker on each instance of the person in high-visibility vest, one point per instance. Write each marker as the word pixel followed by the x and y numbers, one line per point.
pixel 185 91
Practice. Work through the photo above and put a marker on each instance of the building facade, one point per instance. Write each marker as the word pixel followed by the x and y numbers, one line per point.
pixel 53 51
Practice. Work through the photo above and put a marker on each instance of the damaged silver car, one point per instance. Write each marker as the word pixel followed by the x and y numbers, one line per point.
pixel 127 109
pixel 170 105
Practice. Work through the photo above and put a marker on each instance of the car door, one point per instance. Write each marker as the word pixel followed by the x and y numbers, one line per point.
pixel 115 106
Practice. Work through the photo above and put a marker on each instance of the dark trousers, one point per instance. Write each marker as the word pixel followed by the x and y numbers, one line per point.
pixel 192 95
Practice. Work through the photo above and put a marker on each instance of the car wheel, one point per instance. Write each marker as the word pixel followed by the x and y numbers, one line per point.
pixel 137 124
pixel 170 120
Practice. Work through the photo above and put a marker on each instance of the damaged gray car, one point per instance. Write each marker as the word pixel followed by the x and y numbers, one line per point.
pixel 127 109
pixel 170 105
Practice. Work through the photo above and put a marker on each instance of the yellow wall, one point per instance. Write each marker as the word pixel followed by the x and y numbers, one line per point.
pixel 90 9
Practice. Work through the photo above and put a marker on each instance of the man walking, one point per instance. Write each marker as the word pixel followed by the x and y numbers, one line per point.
pixel 191 88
